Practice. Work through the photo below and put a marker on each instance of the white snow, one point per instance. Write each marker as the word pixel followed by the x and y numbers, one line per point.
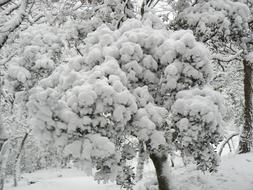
pixel 235 172
pixel 60 179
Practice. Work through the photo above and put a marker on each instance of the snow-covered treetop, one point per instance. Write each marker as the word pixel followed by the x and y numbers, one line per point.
pixel 216 19
pixel 119 88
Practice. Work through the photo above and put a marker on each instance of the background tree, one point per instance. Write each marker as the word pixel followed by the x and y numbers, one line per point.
pixel 226 27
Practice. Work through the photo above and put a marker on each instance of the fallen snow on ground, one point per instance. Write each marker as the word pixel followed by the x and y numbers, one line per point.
pixel 235 172
pixel 59 179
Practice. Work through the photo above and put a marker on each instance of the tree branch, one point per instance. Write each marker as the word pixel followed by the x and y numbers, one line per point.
pixel 14 23
pixel 226 141
pixel 229 58
pixel 3 2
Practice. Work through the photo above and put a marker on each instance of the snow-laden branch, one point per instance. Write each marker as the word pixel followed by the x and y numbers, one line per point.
pixel 221 57
pixel 3 2
pixel 6 60
pixel 33 20
pixel 10 9
pixel 78 5
pixel 14 23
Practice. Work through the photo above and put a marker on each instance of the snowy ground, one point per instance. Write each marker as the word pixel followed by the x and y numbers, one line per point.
pixel 59 179
pixel 235 173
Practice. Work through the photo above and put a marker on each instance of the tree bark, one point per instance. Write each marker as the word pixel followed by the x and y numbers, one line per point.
pixel 160 161
pixel 3 136
pixel 141 161
pixel 4 154
pixel 4 2
pixel 245 142
pixel 18 158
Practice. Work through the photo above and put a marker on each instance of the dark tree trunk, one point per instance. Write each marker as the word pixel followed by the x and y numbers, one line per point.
pixel 160 162
pixel 246 135
pixel 17 159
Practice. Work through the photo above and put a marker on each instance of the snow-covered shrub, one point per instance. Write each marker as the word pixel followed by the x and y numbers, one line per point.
pixel 119 88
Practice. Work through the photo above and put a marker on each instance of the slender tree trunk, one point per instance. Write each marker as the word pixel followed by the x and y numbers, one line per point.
pixel 141 161
pixel 18 158
pixel 144 3
pixel 3 137
pixel 245 142
pixel 160 161
pixel 4 154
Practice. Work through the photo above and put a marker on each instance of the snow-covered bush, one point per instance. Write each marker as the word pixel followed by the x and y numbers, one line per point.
pixel 124 85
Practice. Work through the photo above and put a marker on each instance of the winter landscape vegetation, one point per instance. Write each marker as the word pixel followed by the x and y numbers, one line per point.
pixel 126 94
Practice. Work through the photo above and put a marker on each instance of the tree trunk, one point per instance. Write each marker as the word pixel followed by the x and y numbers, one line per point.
pixel 246 135
pixel 141 161
pixel 4 154
pixel 17 160
pixel 160 161
pixel 3 136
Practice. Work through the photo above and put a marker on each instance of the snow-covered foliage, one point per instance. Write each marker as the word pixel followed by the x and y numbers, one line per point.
pixel 110 12
pixel 194 113
pixel 226 26
pixel 119 89
pixel 218 19
pixel 37 56
pixel 11 19
pixel 229 81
